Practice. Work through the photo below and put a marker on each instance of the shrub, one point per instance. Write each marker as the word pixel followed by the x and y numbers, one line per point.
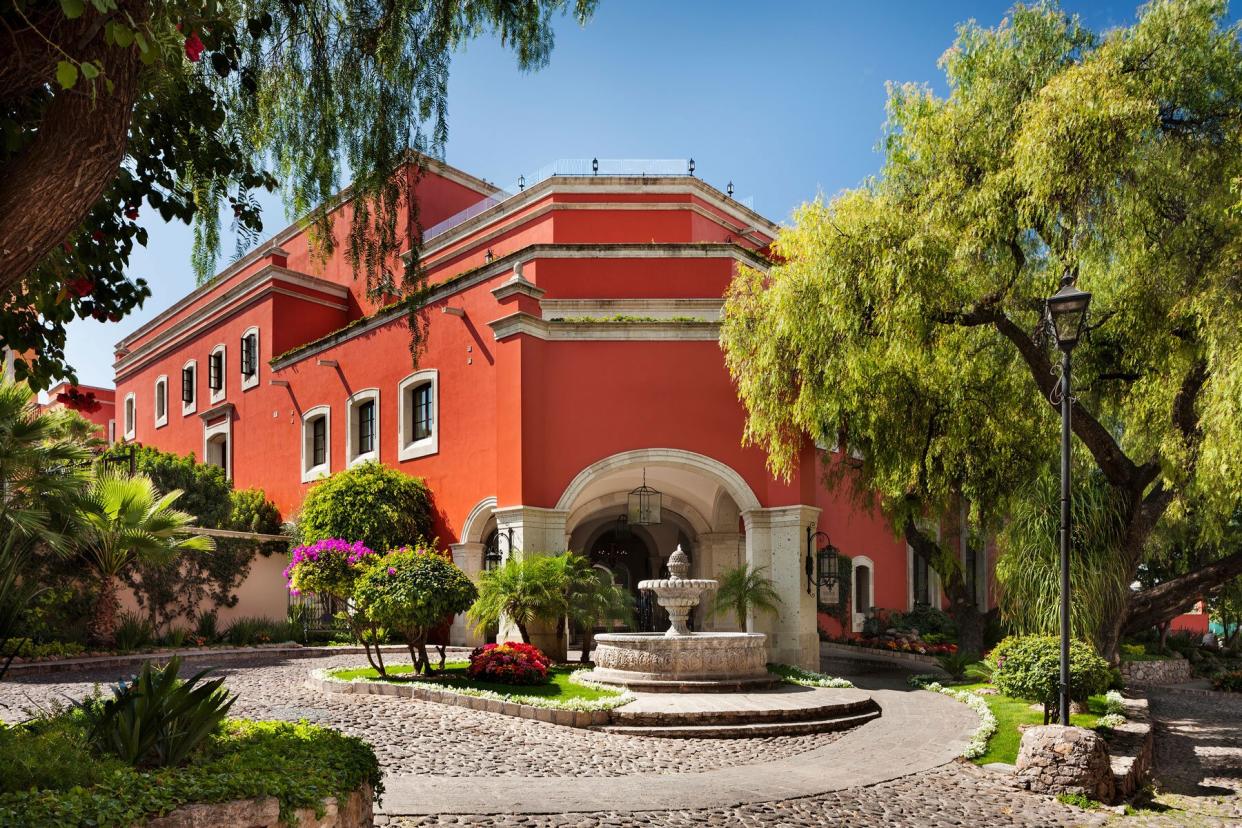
pixel 370 503
pixel 925 619
pixel 247 631
pixel 412 591
pixel 52 752
pixel 207 627
pixel 1228 682
pixel 133 632
pixel 157 719
pixel 956 664
pixel 509 663
pixel 327 567
pixel 1028 667
pixel 52 649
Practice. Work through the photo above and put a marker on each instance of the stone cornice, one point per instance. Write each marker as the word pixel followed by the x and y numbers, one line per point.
pixel 523 323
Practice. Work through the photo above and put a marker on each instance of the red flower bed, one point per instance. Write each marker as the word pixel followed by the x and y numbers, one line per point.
pixel 894 645
pixel 509 663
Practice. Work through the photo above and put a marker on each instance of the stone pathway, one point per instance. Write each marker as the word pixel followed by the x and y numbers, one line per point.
pixel 896 771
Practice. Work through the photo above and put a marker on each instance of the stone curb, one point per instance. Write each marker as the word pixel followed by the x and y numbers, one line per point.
pixel 1188 691
pixel 564 718
pixel 1131 749
pixel 915 661
pixel 196 654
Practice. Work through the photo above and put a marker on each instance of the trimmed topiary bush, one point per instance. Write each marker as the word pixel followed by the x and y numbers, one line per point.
pixel 412 591
pixel 509 663
pixel 1029 667
pixel 370 503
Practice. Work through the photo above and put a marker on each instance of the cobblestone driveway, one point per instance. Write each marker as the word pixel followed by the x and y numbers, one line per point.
pixel 1199 759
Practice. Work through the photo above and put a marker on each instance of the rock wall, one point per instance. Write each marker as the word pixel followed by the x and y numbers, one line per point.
pixel 1054 759
pixel 356 812
pixel 1164 671
pixel 1131 749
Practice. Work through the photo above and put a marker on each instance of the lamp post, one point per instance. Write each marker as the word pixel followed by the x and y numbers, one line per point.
pixel 1067 313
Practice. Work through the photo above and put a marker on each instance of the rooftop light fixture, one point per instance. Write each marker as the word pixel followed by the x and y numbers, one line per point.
pixel 729 189
pixel 691 165
pixel 521 183
pixel 594 166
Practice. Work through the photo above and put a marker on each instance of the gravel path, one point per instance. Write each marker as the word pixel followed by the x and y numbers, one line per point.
pixel 415 737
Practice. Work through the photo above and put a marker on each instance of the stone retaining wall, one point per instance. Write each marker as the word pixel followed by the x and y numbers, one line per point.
pixel 566 718
pixel 1131 748
pixel 896 659
pixel 1163 671
pixel 357 812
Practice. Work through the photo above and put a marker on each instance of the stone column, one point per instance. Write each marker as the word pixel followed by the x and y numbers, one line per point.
pixel 717 552
pixel 469 558
pixel 534 531
pixel 776 539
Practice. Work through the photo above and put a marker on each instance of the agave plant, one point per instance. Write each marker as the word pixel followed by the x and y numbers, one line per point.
pixel 124 520
pixel 158 719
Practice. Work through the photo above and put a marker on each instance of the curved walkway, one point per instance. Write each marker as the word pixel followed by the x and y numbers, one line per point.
pixel 918 731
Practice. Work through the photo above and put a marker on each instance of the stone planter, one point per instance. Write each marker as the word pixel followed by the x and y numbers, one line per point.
pixel 356 812
pixel 1164 671
pixel 1054 759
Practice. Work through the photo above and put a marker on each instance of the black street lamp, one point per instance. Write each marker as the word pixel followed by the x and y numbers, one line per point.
pixel 1067 313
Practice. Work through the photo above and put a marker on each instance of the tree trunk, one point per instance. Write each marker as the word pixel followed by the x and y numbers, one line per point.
pixel 47 189
pixel 1160 603
pixel 102 630
pixel 588 637
pixel 524 632
pixel 971 625
pixel 1164 635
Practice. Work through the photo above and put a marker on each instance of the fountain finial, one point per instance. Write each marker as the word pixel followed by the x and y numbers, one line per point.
pixel 679 563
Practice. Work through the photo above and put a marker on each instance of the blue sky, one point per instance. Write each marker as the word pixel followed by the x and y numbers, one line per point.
pixel 786 99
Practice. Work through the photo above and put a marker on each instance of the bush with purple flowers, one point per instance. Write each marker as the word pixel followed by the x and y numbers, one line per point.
pixel 327 567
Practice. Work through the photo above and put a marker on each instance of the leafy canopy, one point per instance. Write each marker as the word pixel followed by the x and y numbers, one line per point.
pixel 372 503
pixel 191 107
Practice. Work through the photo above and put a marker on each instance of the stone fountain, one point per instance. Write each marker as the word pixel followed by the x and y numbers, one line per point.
pixel 678 660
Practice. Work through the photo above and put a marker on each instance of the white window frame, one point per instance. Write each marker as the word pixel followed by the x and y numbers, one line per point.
pixel 190 407
pixel 933 580
pixel 161 386
pixel 129 414
pixel 225 427
pixel 407 447
pixel 218 396
pixel 352 425
pixel 111 431
pixel 311 473
pixel 859 618
pixel 251 381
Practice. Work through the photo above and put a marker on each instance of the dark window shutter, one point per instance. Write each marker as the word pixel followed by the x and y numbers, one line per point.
pixel 187 385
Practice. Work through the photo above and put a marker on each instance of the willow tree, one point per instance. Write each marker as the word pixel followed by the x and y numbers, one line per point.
pixel 906 315
pixel 115 111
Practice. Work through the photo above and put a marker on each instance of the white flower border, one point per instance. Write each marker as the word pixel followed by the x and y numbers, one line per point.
pixel 987 720
pixel 809 678
pixel 577 705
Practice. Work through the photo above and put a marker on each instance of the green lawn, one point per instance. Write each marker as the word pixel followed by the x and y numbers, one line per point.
pixel 560 689
pixel 1010 713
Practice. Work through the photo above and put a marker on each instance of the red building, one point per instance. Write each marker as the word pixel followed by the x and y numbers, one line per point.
pixel 93 402
pixel 571 355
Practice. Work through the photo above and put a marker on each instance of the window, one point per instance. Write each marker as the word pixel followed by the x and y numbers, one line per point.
pixel 250 358
pixel 215 373
pixel 161 401
pixel 111 431
pixel 130 409
pixel 189 381
pixel 316 443
pixel 217 445
pixel 363 427
pixel 419 410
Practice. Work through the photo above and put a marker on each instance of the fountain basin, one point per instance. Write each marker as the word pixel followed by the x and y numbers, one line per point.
pixel 694 663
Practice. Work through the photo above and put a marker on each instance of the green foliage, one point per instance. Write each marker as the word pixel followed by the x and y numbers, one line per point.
pixel 247 631
pixel 133 632
pixel 928 620
pixel 171 592
pixel 524 590
pixel 223 100
pixel 370 502
pixel 958 664
pixel 124 520
pixel 1228 682
pixel 592 598
pixel 157 719
pixel 743 590
pixel 299 764
pixel 206 626
pixel 1028 667
pixel 412 591
pixel 1028 571
pixel 1226 609
pixel 904 317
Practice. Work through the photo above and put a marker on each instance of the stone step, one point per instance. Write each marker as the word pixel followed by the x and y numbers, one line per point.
pixel 742 714
pixel 751 730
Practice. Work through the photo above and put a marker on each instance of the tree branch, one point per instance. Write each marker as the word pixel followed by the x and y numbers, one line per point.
pixel 1158 604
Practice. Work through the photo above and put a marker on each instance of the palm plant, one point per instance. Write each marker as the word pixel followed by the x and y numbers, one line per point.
pixel 592 598
pixel 744 590
pixel 43 468
pixel 523 590
pixel 124 520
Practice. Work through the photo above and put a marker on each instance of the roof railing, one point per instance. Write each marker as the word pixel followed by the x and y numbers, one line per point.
pixel 577 167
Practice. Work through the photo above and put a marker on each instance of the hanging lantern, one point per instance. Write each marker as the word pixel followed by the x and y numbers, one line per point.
pixel 644 505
